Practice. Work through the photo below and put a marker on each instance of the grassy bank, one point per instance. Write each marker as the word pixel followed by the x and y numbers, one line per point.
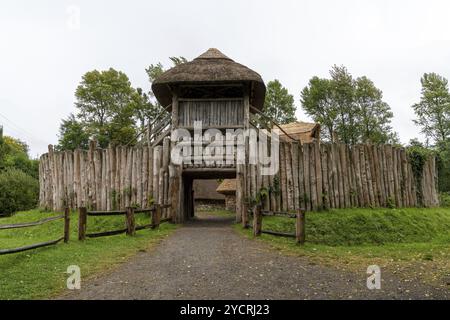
pixel 414 242
pixel 40 273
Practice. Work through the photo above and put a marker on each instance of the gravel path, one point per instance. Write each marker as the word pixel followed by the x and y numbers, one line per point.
pixel 207 259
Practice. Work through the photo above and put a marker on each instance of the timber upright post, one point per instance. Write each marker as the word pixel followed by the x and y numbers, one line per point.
pixel 82 217
pixel 131 224
pixel 66 225
pixel 244 215
pixel 156 216
pixel 257 220
pixel 300 226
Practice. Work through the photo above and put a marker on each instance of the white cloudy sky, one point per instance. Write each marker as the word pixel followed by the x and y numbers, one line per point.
pixel 42 58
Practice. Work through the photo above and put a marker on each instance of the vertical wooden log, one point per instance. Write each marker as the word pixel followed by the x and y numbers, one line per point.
pixel 344 176
pixel 66 224
pixel 362 162
pixel 156 216
pixel 325 183
pixel 289 180
pixel 378 165
pixel 318 172
pixel 283 179
pixel 396 180
pixel 313 176
pixel 139 177
pixel 134 178
pixel 329 160
pixel 301 177
pixel 300 227
pixel 130 222
pixel 156 167
pixel 306 167
pixel 257 220
pixel 174 193
pixel 295 175
pixel 82 222
pixel 150 174
pixel 340 176
pixel 145 192
pixel 369 176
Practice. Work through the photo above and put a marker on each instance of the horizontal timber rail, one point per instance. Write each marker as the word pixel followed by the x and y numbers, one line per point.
pixel 65 237
pixel 258 215
pixel 129 214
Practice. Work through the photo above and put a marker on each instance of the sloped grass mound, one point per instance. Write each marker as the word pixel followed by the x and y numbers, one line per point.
pixel 370 226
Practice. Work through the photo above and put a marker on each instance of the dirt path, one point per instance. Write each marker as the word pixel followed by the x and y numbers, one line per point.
pixel 206 259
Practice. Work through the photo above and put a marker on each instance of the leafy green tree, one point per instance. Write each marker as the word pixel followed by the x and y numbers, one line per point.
pixel 105 111
pixel 375 115
pixel 72 135
pixel 350 111
pixel 278 105
pixel 433 110
pixel 14 155
pixel 317 101
pixel 343 93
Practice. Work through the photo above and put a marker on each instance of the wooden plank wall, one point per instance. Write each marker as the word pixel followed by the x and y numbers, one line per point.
pixel 105 179
pixel 311 176
pixel 323 176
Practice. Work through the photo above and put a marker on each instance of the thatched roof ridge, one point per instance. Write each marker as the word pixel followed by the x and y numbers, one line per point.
pixel 297 127
pixel 210 67
pixel 228 186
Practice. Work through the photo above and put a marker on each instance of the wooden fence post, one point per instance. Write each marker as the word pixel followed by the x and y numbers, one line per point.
pixel 300 226
pixel 156 216
pixel 245 216
pixel 131 225
pixel 82 220
pixel 257 220
pixel 66 225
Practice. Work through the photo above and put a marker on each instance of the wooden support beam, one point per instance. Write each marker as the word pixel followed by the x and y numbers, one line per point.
pixel 257 220
pixel 66 225
pixel 130 221
pixel 82 220
pixel 300 227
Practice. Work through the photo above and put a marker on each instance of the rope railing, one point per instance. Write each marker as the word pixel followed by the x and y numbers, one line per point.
pixel 65 237
pixel 129 213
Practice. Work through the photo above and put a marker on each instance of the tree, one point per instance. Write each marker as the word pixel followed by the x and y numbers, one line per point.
pixel 317 101
pixel 350 111
pixel 343 91
pixel 105 109
pixel 375 115
pixel 433 110
pixel 278 105
pixel 72 135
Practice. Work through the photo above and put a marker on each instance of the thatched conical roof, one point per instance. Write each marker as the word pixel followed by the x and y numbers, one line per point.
pixel 210 67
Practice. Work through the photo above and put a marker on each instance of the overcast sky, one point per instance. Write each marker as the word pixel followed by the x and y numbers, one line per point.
pixel 44 52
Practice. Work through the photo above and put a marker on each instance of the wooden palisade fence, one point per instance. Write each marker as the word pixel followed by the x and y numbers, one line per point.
pixel 312 176
pixel 105 179
pixel 65 237
pixel 325 176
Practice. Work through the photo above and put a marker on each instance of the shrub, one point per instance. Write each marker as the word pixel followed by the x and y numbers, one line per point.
pixel 18 191
pixel 444 199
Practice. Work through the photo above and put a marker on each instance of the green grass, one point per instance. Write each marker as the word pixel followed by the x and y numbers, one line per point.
pixel 370 226
pixel 413 241
pixel 40 273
